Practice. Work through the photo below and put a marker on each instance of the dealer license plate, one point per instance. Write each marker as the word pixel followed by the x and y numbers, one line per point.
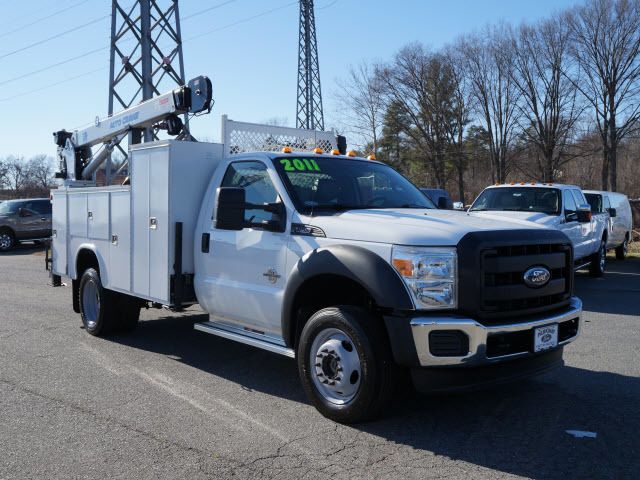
pixel 545 337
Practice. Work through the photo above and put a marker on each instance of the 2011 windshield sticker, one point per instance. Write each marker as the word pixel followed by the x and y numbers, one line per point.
pixel 300 165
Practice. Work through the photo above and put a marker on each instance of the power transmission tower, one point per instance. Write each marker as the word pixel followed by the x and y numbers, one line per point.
pixel 140 68
pixel 309 111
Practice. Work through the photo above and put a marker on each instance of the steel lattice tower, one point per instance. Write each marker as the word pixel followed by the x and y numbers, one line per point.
pixel 140 67
pixel 309 110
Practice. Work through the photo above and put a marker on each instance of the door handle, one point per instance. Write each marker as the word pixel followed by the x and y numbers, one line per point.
pixel 205 242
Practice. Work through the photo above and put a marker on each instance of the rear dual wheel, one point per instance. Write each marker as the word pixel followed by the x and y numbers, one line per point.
pixel 104 311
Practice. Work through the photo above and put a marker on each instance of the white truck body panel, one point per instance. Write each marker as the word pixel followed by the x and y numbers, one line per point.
pixel 131 229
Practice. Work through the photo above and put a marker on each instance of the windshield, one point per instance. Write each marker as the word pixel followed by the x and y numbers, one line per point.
pixel 326 184
pixel 515 199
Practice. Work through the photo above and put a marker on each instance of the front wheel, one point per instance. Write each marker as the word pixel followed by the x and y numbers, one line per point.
pixel 599 261
pixel 623 250
pixel 7 240
pixel 345 364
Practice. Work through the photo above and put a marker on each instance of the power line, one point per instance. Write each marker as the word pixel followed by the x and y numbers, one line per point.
pixel 224 27
pixel 57 64
pixel 12 97
pixel 40 42
pixel 244 20
pixel 41 19
pixel 214 7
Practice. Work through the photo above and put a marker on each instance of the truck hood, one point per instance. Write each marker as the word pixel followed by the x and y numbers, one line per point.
pixel 537 217
pixel 411 226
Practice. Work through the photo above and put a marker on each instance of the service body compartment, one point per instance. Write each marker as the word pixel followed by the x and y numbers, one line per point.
pixel 132 229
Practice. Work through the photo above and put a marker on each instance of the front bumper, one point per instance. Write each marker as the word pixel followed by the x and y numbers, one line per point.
pixel 411 342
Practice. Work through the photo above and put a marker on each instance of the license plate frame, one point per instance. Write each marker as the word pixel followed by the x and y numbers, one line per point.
pixel 545 337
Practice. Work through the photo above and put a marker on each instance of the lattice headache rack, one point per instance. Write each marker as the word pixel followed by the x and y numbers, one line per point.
pixel 239 137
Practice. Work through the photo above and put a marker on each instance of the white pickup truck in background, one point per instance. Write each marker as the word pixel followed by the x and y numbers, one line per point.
pixel 562 207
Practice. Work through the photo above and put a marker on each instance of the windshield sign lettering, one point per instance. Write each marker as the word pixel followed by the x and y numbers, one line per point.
pixel 300 165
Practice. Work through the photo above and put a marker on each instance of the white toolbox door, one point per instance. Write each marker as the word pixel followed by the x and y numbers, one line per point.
pixel 59 243
pixel 120 244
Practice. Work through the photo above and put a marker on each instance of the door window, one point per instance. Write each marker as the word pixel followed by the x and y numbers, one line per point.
pixel 42 207
pixel 570 208
pixel 607 204
pixel 258 187
pixel 579 197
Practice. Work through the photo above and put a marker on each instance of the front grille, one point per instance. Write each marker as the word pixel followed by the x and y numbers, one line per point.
pixel 503 290
pixel 491 268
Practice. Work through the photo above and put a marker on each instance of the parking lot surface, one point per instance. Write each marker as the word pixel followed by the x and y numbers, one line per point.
pixel 170 402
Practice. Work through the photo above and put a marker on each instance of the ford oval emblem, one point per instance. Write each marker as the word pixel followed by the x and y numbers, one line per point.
pixel 537 277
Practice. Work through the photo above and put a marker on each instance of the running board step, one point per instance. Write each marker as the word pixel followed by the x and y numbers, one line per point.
pixel 212 328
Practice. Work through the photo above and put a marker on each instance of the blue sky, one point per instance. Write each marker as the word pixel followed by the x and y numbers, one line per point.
pixel 253 65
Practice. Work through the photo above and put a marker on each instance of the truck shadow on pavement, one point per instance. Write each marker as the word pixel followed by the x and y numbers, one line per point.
pixel 615 293
pixel 519 428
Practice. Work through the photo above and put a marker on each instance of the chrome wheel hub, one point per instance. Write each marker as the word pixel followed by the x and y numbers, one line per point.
pixel 335 366
pixel 5 241
pixel 90 303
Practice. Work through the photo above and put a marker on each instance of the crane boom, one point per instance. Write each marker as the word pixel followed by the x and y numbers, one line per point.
pixel 77 162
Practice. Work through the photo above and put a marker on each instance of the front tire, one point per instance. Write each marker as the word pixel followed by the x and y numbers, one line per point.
pixel 345 364
pixel 7 240
pixel 599 261
pixel 622 250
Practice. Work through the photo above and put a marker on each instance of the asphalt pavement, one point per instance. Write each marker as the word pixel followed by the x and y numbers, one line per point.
pixel 169 402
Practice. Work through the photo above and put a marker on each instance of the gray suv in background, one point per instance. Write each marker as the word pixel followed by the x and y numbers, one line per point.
pixel 24 220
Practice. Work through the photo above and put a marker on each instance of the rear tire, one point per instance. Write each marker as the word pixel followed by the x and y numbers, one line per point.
pixel 599 261
pixel 104 311
pixel 622 250
pixel 345 364
pixel 7 240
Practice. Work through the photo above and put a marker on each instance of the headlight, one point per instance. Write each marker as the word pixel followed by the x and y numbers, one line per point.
pixel 430 275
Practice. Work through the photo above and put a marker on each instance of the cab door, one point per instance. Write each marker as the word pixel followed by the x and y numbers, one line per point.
pixel 570 225
pixel 245 271
pixel 29 221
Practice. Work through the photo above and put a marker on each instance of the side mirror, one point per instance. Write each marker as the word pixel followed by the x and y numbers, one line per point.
pixel 231 208
pixel 443 203
pixel 613 212
pixel 458 206
pixel 584 213
pixel 23 212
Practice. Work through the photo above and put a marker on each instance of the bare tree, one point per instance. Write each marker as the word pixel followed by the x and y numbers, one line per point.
pixel 17 175
pixel 362 104
pixel 40 171
pixel 4 173
pixel 606 50
pixel 490 66
pixel 548 107
pixel 419 84
pixel 459 118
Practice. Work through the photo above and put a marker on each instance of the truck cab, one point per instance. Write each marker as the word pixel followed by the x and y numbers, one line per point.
pixel 557 206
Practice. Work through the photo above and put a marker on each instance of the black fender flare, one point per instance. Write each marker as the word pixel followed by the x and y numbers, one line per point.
pixel 362 266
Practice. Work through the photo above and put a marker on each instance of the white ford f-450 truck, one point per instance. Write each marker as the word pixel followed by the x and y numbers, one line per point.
pixel 563 207
pixel 337 261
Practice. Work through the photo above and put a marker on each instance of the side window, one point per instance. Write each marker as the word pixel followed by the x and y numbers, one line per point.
pixel 579 197
pixel 607 204
pixel 569 203
pixel 42 207
pixel 258 187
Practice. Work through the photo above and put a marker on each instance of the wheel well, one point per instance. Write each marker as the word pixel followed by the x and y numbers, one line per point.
pixel 8 229
pixel 86 259
pixel 325 291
